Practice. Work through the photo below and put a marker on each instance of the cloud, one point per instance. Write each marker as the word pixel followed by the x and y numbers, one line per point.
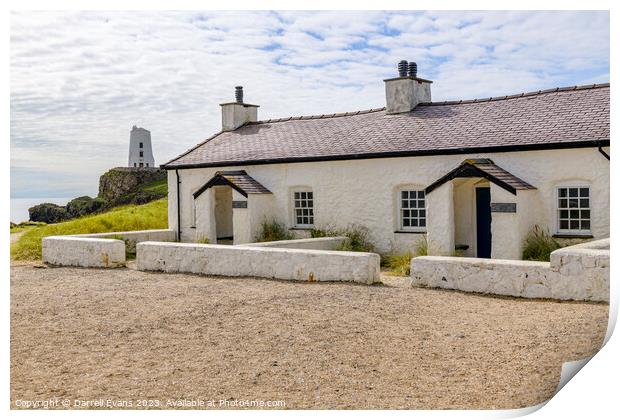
pixel 80 80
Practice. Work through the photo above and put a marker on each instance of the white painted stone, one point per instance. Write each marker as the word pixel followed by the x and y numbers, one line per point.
pixel 131 238
pixel 566 278
pixel 536 291
pixel 402 94
pixel 325 243
pixel 247 261
pixel 235 114
pixel 83 252
pixel 140 137
pixel 363 192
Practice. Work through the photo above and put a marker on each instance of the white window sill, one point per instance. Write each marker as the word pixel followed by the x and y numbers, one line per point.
pixel 419 232
pixel 568 235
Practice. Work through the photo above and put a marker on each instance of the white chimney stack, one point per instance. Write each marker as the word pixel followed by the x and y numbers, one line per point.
pixel 235 114
pixel 405 92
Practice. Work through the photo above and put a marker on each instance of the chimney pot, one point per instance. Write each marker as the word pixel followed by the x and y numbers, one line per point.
pixel 239 94
pixel 402 68
pixel 413 69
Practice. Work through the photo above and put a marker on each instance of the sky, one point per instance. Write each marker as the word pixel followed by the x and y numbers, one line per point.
pixel 81 80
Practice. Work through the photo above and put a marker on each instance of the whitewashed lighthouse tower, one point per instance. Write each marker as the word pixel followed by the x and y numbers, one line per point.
pixel 140 150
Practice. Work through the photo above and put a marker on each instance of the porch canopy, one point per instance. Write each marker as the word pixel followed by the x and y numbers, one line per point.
pixel 483 168
pixel 238 180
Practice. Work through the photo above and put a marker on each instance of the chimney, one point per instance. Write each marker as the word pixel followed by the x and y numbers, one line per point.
pixel 235 114
pixel 405 92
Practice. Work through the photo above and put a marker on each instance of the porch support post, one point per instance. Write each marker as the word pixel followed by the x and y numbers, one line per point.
pixel 242 233
pixel 506 224
pixel 440 220
pixel 205 217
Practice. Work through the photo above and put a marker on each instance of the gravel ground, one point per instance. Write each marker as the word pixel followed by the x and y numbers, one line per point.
pixel 126 335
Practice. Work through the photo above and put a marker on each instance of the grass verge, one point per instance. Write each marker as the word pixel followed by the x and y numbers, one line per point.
pixel 153 215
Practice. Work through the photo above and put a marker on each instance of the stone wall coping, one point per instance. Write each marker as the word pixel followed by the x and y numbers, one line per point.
pixel 76 238
pixel 257 249
pixel 483 261
pixel 123 233
pixel 287 242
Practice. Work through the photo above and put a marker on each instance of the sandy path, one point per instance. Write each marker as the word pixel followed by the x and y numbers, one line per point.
pixel 124 334
pixel 15 236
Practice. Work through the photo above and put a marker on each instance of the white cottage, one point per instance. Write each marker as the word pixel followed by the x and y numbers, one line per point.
pixel 474 175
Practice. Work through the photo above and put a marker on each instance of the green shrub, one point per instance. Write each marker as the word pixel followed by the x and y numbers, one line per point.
pixel 398 264
pixel 422 248
pixel 318 233
pixel 539 245
pixel 153 215
pixel 357 237
pixel 272 230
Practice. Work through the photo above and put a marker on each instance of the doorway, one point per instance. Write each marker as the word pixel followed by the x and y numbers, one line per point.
pixel 223 214
pixel 483 222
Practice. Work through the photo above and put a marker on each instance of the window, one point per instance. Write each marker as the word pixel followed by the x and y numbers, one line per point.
pixel 147 165
pixel 304 208
pixel 134 164
pixel 141 145
pixel 141 153
pixel 412 210
pixel 574 209
pixel 141 164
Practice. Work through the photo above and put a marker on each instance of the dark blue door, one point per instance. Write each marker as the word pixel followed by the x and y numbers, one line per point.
pixel 483 222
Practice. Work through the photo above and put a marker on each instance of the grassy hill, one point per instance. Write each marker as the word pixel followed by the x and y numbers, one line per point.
pixel 153 215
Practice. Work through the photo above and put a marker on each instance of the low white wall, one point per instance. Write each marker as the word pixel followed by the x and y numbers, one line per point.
pixel 133 237
pixel 98 249
pixel 83 252
pixel 579 272
pixel 243 261
pixel 326 243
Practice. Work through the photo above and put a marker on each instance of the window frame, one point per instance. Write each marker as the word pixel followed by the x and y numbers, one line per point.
pixel 557 209
pixel 401 209
pixel 311 215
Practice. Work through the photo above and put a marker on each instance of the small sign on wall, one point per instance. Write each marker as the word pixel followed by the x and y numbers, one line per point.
pixel 241 204
pixel 504 207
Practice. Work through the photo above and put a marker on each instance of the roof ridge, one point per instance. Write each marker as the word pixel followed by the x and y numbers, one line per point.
pixel 455 102
pixel 518 95
pixel 318 117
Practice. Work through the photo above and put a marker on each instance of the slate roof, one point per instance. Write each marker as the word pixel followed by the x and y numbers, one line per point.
pixel 239 180
pixel 556 118
pixel 484 168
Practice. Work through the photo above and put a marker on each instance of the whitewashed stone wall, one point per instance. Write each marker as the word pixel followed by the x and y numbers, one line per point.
pixel 326 243
pixel 247 261
pixel 362 192
pixel 83 252
pixel 131 238
pixel 105 250
pixel 580 272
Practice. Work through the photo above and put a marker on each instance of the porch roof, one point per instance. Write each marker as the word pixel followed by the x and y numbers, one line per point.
pixel 239 180
pixel 484 168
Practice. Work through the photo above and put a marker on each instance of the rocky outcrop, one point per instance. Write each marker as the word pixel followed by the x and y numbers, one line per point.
pixel 120 185
pixel 48 213
pixel 84 205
